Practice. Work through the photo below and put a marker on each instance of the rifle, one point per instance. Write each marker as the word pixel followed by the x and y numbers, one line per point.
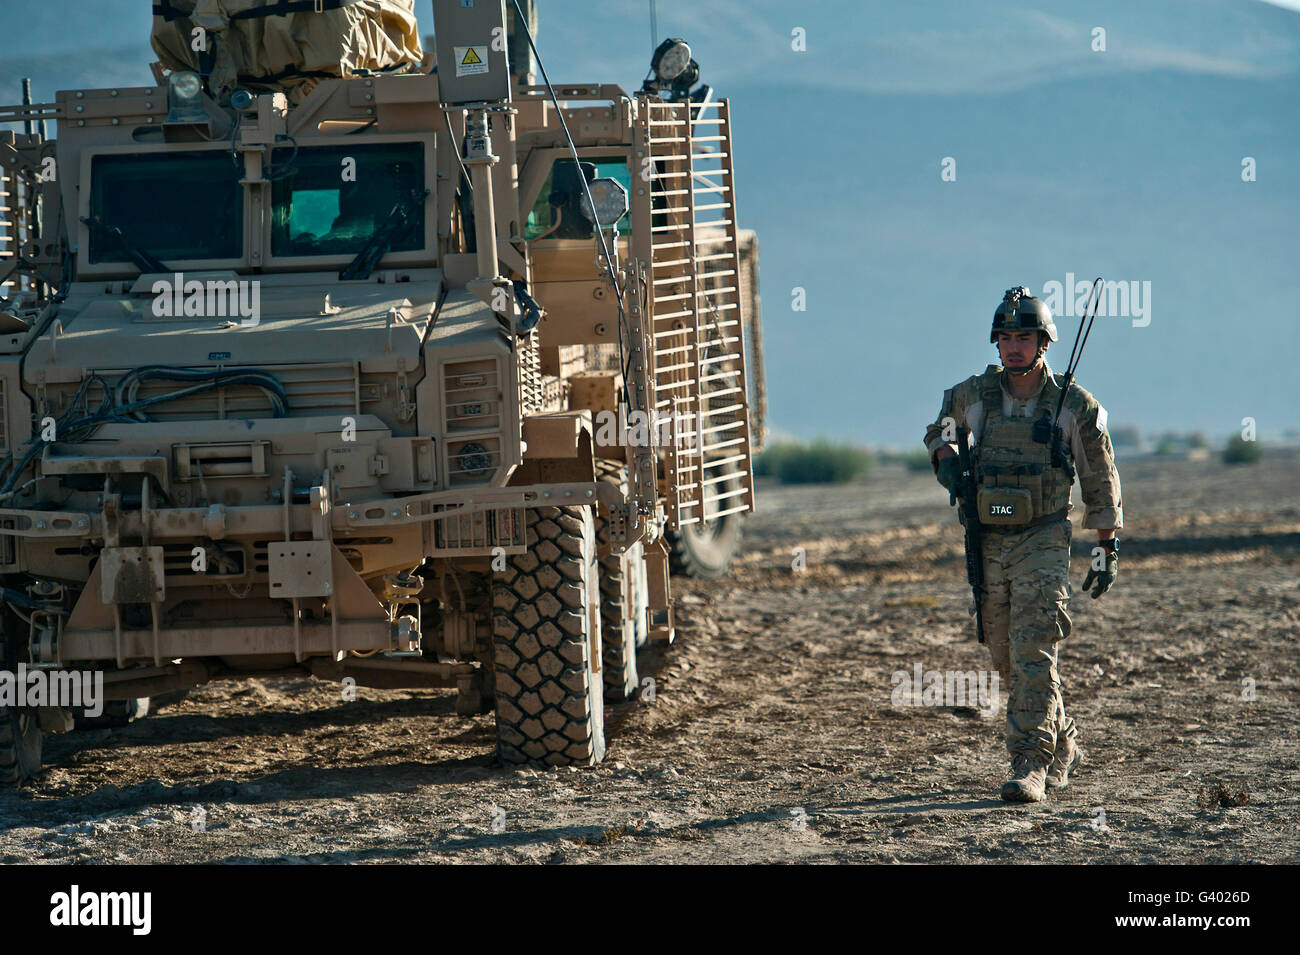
pixel 965 490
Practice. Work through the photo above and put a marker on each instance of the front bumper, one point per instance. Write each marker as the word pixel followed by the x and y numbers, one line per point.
pixel 333 609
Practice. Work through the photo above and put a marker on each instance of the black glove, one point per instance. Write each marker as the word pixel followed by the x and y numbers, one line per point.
pixel 1105 578
pixel 949 471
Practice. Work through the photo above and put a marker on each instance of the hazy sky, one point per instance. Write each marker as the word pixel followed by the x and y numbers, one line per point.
pixel 1126 162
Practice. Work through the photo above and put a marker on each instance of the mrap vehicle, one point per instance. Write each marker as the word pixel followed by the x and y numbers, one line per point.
pixel 383 367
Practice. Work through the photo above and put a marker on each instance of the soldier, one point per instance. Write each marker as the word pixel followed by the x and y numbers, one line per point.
pixel 1024 479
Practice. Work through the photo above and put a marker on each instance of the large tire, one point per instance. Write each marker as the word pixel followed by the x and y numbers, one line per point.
pixel 705 550
pixel 20 745
pixel 20 729
pixel 545 620
pixel 618 598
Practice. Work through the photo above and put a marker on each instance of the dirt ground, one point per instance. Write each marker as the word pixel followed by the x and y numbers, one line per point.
pixel 772 737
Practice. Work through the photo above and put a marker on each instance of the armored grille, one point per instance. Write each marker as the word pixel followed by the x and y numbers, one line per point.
pixel 472 404
pixel 694 303
pixel 476 532
pixel 317 389
pixel 472 462
pixel 472 395
pixel 226 561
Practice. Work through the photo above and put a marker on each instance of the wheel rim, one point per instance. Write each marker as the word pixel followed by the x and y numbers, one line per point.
pixel 709 530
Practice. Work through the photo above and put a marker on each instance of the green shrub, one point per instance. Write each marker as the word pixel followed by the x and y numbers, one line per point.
pixel 917 461
pixel 768 463
pixel 822 462
pixel 1241 451
pixel 1125 436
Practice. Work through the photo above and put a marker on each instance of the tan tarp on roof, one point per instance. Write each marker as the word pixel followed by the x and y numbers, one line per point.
pixel 277 50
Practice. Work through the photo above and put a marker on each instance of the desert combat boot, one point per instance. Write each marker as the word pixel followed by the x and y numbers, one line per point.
pixel 1028 776
pixel 1067 759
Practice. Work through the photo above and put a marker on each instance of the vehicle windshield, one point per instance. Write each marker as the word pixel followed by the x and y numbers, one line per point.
pixel 330 200
pixel 175 206
pixel 557 212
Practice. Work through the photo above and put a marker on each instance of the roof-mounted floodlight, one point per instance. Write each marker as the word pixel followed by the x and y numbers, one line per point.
pixel 185 98
pixel 670 59
pixel 673 72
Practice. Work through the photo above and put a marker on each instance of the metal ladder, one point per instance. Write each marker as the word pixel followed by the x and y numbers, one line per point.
pixel 688 221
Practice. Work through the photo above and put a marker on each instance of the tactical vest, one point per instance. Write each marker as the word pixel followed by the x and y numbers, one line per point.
pixel 1018 483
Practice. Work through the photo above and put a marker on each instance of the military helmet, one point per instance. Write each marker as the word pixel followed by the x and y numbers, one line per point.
pixel 1021 312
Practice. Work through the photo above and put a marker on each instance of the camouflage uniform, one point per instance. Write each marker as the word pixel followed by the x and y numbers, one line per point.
pixel 1026 568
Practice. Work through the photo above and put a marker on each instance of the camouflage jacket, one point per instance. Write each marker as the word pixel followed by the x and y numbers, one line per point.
pixel 1083 427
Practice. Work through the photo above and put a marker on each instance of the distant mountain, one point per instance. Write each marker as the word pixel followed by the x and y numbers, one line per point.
pixel 1135 178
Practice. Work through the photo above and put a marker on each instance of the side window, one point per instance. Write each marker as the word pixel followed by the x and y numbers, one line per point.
pixel 557 213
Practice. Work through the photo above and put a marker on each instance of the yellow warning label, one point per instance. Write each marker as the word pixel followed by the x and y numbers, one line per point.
pixel 471 60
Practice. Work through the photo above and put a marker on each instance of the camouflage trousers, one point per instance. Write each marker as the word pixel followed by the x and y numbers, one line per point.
pixel 1027 576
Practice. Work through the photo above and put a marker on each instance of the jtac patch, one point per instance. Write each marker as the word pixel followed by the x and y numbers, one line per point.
pixel 1005 505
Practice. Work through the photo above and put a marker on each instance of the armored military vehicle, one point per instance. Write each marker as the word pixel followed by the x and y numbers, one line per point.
pixel 391 368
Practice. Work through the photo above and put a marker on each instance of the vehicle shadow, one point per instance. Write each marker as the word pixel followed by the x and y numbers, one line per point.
pixel 302 783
